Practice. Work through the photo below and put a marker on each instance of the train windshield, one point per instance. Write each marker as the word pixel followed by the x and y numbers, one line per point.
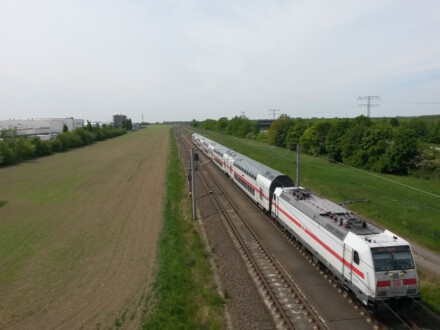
pixel 392 258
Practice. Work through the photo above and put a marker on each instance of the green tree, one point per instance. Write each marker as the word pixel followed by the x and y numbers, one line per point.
pixel 7 156
pixel 295 131
pixel 23 149
pixel 242 127
pixel 394 122
pixel 194 123
pixel 375 142
pixel 400 156
pixel 127 124
pixel 277 132
pixel 352 141
pixel 56 145
pixel 69 141
pixel 209 124
pixel 314 137
pixel 222 124
pixel 427 165
pixel 434 132
pixel 85 135
pixel 309 140
pixel 335 138
pixel 418 127
pixel 42 148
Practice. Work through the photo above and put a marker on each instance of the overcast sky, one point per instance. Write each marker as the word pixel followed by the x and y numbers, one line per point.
pixel 183 60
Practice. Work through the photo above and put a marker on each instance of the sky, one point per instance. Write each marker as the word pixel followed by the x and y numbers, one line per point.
pixel 197 59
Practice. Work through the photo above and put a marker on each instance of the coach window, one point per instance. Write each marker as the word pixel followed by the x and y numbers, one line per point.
pixel 356 257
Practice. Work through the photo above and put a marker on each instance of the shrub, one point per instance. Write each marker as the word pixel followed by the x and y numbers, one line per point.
pixel 7 156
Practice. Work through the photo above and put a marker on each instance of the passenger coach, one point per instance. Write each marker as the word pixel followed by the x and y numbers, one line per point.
pixel 374 264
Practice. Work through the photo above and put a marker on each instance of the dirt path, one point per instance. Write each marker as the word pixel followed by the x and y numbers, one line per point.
pixel 78 234
pixel 427 260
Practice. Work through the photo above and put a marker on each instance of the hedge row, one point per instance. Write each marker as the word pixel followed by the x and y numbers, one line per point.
pixel 15 149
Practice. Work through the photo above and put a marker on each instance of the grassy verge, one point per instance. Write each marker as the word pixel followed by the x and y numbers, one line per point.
pixel 185 295
pixel 405 211
pixel 430 291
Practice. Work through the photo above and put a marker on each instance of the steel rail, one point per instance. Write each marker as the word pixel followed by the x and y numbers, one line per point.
pixel 284 299
pixel 405 320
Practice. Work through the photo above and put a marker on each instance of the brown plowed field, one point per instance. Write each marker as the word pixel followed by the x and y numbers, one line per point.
pixel 78 234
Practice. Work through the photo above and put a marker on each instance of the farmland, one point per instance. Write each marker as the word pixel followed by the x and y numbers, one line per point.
pixel 78 233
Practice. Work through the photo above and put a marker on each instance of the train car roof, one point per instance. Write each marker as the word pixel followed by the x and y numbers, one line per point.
pixel 221 148
pixel 248 164
pixel 255 167
pixel 333 217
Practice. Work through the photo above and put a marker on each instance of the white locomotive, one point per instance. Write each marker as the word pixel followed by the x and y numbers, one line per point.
pixel 374 264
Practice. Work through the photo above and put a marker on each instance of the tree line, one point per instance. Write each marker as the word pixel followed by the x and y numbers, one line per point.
pixel 241 127
pixel 403 146
pixel 15 148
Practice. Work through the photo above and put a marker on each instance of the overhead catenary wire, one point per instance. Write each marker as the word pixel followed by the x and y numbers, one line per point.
pixel 378 176
pixel 410 102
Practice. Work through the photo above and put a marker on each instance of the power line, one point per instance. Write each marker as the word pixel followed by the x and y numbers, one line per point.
pixel 368 104
pixel 410 102
pixel 274 111
pixel 378 176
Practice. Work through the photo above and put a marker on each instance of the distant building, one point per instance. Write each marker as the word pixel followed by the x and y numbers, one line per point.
pixel 118 120
pixel 44 128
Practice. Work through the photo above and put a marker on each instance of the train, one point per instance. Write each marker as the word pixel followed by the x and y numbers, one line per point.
pixel 374 264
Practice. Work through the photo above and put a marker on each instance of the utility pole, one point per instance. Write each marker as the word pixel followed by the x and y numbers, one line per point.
pixel 368 104
pixel 179 141
pixel 297 165
pixel 242 114
pixel 193 186
pixel 274 111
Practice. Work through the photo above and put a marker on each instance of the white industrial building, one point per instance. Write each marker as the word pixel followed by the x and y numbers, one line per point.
pixel 44 128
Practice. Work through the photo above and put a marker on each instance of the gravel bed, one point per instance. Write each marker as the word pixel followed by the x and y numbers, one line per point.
pixel 245 306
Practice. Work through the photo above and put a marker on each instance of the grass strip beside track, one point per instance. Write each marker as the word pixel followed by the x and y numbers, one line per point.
pixel 185 295
pixel 430 291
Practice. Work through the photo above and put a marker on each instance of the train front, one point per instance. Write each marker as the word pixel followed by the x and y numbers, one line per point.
pixel 397 283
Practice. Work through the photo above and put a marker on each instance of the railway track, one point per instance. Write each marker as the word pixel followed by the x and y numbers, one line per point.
pixel 288 306
pixel 285 301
